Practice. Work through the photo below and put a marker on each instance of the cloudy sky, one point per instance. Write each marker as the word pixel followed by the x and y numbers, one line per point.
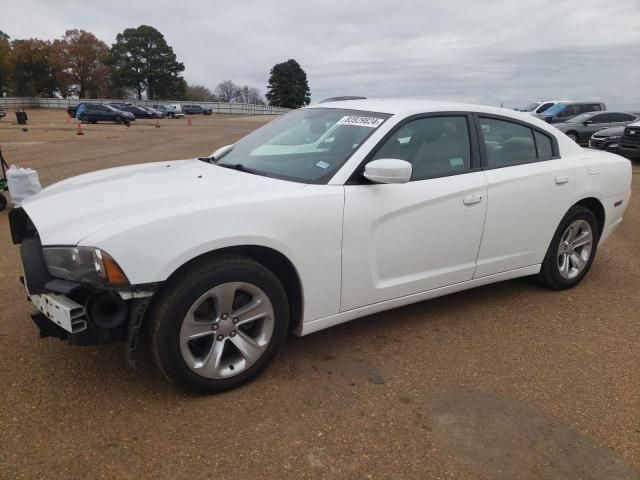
pixel 480 51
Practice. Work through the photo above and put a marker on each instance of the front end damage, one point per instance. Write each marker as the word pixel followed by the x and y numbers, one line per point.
pixel 81 313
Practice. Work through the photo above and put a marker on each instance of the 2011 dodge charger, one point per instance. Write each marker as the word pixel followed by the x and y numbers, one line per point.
pixel 326 214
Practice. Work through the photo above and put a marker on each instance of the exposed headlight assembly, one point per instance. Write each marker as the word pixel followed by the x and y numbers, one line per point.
pixel 85 265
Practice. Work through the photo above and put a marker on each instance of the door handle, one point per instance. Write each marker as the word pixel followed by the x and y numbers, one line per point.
pixel 561 180
pixel 472 199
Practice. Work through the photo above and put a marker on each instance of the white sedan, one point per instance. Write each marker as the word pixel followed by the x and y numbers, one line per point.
pixel 327 214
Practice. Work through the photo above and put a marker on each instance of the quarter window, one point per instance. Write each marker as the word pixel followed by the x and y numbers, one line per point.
pixel 543 145
pixel 435 146
pixel 507 143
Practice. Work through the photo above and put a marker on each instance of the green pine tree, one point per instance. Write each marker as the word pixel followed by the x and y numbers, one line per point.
pixel 288 86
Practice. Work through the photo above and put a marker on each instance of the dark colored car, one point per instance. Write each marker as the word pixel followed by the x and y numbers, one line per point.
pixel 196 109
pixel 94 113
pixel 563 111
pixel 607 139
pixel 3 113
pixel 137 112
pixel 580 128
pixel 630 141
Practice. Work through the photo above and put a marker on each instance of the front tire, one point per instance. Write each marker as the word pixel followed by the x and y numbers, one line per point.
pixel 572 249
pixel 118 120
pixel 573 136
pixel 218 324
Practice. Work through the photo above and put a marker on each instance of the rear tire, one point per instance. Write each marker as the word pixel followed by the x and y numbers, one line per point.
pixel 572 250
pixel 217 324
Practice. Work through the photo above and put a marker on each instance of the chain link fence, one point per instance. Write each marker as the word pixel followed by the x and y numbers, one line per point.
pixel 216 107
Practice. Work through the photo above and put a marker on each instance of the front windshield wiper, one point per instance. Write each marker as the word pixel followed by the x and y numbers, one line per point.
pixel 238 166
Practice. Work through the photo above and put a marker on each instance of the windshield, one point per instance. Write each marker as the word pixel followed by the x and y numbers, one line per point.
pixel 307 145
pixel 531 107
pixel 557 108
pixel 581 118
pixel 112 108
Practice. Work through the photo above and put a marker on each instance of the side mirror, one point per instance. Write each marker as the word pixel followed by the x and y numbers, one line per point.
pixel 388 170
pixel 221 152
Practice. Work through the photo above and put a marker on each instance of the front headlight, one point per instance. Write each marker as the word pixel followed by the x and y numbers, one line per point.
pixel 85 265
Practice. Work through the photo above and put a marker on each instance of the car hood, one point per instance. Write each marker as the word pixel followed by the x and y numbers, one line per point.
pixel 610 132
pixel 68 211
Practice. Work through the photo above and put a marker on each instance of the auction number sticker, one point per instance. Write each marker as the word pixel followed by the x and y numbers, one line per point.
pixel 371 122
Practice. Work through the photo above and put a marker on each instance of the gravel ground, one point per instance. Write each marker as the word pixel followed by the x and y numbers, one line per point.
pixel 505 381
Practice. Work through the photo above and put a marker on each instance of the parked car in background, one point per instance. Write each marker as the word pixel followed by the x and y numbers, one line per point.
pixel 176 106
pixel 410 200
pixel 138 112
pixel 539 107
pixel 630 141
pixel 3 113
pixel 168 111
pixel 192 109
pixel 563 111
pixel 581 127
pixel 94 113
pixel 153 111
pixel 607 139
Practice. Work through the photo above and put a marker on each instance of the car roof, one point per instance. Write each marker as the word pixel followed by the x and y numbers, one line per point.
pixel 580 103
pixel 409 106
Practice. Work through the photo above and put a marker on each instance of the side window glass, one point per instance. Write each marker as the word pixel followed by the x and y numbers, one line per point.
pixel 507 143
pixel 593 108
pixel 435 146
pixel 604 118
pixel 544 106
pixel 571 111
pixel 543 143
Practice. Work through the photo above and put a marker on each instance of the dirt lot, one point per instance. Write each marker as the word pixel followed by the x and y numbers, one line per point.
pixel 501 382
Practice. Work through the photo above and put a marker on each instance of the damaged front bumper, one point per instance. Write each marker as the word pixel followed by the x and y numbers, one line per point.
pixel 79 313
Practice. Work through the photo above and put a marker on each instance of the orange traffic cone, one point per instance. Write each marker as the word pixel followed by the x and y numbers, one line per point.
pixel 157 123
pixel 79 130
pixel 189 123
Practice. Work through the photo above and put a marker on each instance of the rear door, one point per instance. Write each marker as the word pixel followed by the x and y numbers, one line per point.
pixel 596 123
pixel 530 190
pixel 402 239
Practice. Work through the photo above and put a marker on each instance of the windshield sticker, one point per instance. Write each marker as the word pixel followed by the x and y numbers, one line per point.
pixel 323 165
pixel 371 122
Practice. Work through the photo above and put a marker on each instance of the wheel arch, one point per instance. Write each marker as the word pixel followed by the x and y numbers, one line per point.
pixel 281 266
pixel 597 208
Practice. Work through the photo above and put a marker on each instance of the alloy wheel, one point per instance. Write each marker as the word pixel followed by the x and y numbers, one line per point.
pixel 575 249
pixel 227 330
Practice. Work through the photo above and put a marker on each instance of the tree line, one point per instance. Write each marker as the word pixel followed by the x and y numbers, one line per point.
pixel 140 64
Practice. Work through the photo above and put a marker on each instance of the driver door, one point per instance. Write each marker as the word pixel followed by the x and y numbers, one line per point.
pixel 402 239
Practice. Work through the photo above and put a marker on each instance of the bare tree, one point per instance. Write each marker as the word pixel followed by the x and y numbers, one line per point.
pixel 227 91
pixel 249 95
